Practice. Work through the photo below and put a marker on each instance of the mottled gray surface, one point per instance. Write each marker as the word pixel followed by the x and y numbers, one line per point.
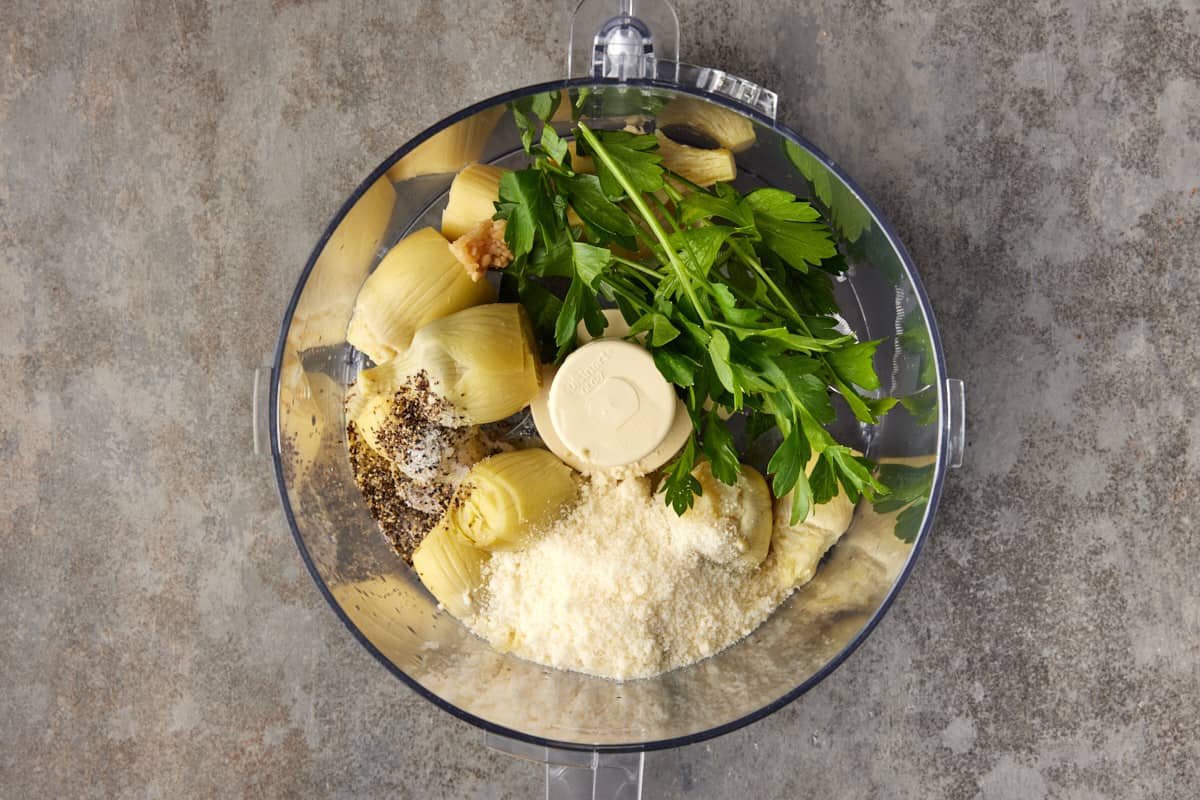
pixel 164 170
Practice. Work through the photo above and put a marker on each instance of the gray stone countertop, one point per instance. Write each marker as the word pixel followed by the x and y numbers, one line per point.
pixel 165 169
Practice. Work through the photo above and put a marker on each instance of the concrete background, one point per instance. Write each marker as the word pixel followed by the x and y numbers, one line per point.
pixel 165 169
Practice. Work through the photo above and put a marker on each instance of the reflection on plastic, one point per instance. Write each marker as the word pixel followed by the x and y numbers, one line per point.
pixel 324 308
pixel 847 213
pixel 451 149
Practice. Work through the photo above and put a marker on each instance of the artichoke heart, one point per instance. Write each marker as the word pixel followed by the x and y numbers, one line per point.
pixel 418 281
pixel 727 128
pixel 799 548
pixel 450 568
pixel 506 497
pixel 728 525
pixel 482 361
pixel 473 195
pixel 700 166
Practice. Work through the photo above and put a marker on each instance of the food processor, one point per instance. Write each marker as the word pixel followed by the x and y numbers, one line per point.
pixel 590 732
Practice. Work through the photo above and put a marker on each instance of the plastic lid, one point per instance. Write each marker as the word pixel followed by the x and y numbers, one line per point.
pixel 609 404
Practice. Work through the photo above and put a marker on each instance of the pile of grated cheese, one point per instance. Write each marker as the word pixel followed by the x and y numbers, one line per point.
pixel 609 589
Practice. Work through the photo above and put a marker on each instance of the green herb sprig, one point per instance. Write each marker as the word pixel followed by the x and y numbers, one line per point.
pixel 734 301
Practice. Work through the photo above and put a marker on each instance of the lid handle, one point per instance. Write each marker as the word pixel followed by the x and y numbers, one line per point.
pixel 627 44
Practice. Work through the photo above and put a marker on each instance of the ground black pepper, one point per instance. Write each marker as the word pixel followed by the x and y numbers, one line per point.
pixel 403 526
pixel 409 483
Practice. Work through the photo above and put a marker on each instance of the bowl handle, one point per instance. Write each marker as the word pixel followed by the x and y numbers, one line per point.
pixel 260 412
pixel 579 775
pixel 956 422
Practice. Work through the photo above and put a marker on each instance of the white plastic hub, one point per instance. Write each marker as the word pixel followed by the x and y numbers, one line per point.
pixel 609 405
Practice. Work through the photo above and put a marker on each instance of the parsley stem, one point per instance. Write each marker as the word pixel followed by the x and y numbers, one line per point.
pixel 641 279
pixel 673 194
pixel 755 265
pixel 639 203
pixel 636 266
pixel 623 282
pixel 666 212
pixel 762 273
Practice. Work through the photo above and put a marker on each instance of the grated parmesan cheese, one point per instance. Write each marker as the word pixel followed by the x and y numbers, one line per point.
pixel 611 590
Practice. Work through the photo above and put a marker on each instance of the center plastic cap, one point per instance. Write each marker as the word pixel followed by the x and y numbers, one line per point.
pixel 609 404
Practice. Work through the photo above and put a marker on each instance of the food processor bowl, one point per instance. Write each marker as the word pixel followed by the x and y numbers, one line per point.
pixel 527 708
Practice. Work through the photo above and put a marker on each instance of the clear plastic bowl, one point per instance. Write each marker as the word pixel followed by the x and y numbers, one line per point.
pixel 383 603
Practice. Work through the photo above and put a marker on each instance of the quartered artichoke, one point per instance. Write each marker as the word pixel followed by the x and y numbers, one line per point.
pixel 481 360
pixel 728 524
pixel 727 128
pixel 506 497
pixel 799 548
pixel 418 281
pixel 473 195
pixel 700 166
pixel 450 568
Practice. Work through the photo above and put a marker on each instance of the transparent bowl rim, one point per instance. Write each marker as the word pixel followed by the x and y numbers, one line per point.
pixel 768 708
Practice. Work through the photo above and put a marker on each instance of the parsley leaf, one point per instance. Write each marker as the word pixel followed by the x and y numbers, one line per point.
pixel 676 368
pixel 681 486
pixel 524 203
pixel 810 392
pixel 780 205
pixel 718 352
pixel 719 447
pixel 788 462
pixel 724 204
pixel 544 309
pixel 789 229
pixel 554 145
pixel 579 304
pixel 698 247
pixel 823 480
pixel 590 262
pixel 662 331
pixel 735 314
pixel 605 220
pixel 636 158
pixel 544 104
pixel 852 364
